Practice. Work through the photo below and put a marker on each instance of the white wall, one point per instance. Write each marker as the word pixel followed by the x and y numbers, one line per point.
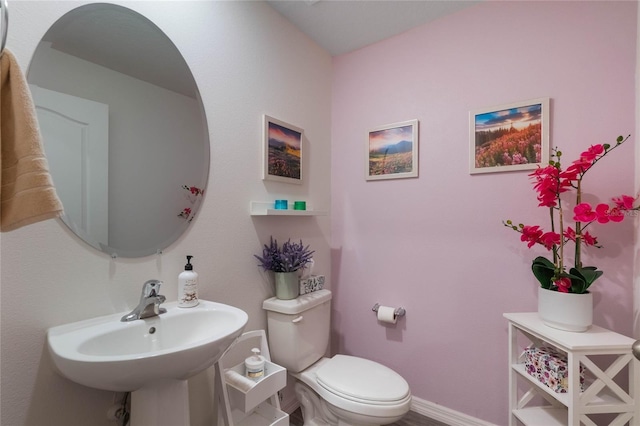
pixel 247 61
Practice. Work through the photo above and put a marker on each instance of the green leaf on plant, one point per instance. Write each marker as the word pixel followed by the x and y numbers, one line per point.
pixel 543 270
pixel 582 278
pixel 588 275
pixel 578 283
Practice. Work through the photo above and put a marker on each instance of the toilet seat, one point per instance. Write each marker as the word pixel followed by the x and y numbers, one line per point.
pixel 362 380
pixel 338 387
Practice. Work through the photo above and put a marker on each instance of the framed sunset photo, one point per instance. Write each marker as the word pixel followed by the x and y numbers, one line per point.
pixel 392 151
pixel 509 137
pixel 282 151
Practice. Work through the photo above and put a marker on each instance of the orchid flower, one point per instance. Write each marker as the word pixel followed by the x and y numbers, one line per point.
pixel 550 182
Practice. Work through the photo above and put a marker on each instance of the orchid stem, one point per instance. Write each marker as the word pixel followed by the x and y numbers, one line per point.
pixel 577 261
pixel 553 229
pixel 561 256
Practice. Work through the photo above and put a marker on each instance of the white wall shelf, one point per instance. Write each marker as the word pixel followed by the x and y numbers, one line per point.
pixel 259 208
pixel 574 408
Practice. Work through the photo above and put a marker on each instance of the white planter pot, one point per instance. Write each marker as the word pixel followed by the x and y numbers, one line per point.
pixel 565 311
pixel 287 286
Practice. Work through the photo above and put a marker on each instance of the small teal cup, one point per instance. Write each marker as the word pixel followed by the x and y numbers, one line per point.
pixel 282 204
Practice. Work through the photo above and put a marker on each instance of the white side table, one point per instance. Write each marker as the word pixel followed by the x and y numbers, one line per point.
pixel 601 395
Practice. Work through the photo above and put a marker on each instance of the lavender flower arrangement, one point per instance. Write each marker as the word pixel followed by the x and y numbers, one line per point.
pixel 288 258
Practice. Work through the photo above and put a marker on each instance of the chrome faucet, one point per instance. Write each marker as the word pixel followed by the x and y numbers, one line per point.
pixel 150 301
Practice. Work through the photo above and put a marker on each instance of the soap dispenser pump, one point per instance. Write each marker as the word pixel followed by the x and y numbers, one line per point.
pixel 254 365
pixel 188 286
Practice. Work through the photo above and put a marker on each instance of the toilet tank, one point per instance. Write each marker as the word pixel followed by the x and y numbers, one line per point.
pixel 298 329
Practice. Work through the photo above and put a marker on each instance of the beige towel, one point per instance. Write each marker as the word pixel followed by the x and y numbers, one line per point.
pixel 27 194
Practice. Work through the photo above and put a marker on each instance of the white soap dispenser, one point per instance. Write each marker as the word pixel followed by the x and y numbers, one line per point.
pixel 254 365
pixel 188 286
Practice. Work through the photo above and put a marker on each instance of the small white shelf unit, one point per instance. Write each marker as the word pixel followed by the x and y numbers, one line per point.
pixel 602 394
pixel 259 208
pixel 254 405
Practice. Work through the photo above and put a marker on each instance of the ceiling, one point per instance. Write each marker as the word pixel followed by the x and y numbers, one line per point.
pixel 342 26
pixel 339 26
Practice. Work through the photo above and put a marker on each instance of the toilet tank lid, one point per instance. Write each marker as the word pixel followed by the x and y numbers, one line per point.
pixel 297 305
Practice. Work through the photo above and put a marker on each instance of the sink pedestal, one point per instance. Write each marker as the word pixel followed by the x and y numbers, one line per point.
pixel 163 403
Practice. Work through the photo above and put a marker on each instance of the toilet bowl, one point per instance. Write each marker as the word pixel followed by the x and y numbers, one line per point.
pixel 342 390
pixel 354 390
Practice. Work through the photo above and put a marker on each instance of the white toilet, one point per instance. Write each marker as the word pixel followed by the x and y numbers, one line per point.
pixel 343 390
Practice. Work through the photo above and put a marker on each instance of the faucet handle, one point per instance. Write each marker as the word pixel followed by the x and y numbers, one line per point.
pixel 150 301
pixel 151 288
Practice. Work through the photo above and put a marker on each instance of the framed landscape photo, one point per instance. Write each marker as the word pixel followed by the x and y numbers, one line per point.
pixel 392 151
pixel 509 137
pixel 282 151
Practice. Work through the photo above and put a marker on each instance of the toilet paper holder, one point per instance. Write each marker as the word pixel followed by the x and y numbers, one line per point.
pixel 398 312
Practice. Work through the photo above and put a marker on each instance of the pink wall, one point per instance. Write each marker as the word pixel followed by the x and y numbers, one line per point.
pixel 435 245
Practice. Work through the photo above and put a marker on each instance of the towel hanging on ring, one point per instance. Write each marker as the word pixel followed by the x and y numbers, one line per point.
pixel 27 194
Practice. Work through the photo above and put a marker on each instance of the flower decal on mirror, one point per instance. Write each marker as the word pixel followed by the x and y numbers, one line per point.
pixel 192 196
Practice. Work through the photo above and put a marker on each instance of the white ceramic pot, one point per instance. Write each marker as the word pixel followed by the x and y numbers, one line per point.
pixel 287 286
pixel 565 311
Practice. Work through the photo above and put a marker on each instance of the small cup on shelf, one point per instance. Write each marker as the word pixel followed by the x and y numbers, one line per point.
pixel 282 205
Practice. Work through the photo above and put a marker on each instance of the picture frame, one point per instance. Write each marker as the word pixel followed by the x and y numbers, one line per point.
pixel 282 151
pixel 509 137
pixel 392 151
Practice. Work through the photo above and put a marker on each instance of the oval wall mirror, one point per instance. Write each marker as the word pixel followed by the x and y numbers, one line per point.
pixel 124 129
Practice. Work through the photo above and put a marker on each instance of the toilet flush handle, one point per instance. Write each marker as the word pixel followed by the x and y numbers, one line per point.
pixel 297 319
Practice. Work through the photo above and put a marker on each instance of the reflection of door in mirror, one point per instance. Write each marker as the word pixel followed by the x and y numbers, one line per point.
pixel 79 129
pixel 157 131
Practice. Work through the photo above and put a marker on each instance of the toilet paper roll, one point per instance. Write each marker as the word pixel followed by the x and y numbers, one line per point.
pixel 238 381
pixel 387 314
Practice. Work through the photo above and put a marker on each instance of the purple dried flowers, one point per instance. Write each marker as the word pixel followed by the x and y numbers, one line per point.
pixel 288 258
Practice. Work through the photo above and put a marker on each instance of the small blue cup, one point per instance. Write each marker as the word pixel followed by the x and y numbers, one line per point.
pixel 282 204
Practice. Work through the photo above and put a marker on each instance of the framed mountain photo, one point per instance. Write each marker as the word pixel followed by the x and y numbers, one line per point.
pixel 392 151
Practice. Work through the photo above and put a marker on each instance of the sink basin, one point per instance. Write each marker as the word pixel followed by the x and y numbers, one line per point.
pixel 108 354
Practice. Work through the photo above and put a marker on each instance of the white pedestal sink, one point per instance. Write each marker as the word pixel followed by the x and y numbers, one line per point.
pixel 152 358
pixel 164 403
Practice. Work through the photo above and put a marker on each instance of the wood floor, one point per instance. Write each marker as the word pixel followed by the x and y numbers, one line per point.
pixel 411 419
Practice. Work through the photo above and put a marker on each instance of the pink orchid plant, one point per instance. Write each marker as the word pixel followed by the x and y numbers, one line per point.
pixel 549 183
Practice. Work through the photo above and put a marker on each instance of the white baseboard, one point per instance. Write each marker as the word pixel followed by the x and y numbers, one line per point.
pixel 444 414
pixel 419 406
